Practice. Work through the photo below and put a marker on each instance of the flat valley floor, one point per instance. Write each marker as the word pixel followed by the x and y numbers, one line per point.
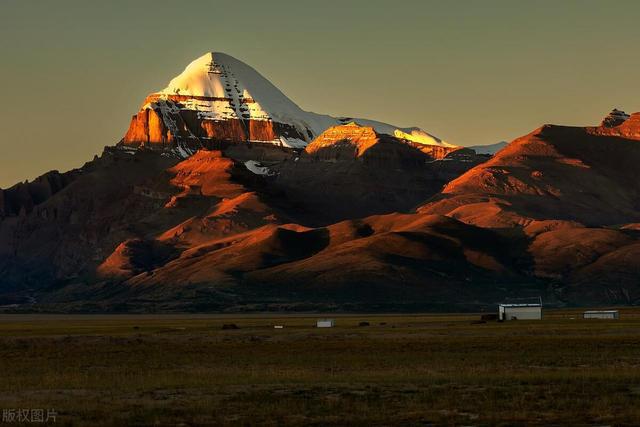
pixel 400 370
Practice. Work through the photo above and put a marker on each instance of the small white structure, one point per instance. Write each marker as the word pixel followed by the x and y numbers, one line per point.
pixel 325 323
pixel 520 311
pixel 278 326
pixel 601 314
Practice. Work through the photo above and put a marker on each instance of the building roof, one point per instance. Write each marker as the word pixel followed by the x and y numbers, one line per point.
pixel 521 305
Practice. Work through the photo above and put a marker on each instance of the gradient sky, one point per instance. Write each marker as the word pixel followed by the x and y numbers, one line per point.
pixel 470 72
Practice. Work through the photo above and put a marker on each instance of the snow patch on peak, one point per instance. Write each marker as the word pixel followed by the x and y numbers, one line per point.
pixel 421 137
pixel 195 80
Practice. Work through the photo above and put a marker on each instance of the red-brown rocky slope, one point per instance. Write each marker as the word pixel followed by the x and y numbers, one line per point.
pixel 577 174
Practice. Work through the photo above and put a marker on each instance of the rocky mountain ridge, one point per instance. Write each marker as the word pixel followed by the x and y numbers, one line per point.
pixel 201 208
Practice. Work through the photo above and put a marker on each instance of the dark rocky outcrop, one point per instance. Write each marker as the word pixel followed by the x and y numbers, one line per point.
pixel 23 197
pixel 614 118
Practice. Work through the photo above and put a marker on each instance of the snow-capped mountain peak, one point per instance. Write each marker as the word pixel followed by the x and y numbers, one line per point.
pixel 217 81
pixel 218 98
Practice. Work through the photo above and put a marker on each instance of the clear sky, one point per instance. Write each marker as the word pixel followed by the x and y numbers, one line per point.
pixel 470 72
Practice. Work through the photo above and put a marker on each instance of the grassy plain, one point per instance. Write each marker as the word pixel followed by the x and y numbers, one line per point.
pixel 399 370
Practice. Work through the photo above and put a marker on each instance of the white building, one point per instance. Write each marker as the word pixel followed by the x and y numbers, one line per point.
pixel 520 311
pixel 600 314
pixel 325 323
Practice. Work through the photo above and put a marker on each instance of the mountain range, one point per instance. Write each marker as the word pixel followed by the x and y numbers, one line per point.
pixel 223 194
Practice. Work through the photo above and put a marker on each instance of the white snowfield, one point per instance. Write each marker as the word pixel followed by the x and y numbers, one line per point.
pixel 240 92
pixel 257 168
